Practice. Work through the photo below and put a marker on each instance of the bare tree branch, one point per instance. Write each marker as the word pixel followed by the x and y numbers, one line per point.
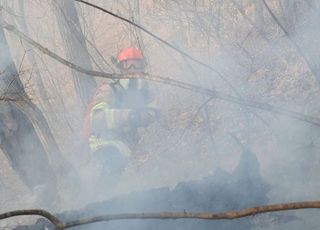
pixel 166 215
pixel 169 81
pixel 207 66
pixel 6 99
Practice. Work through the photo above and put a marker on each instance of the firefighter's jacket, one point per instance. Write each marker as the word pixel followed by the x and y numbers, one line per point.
pixel 115 117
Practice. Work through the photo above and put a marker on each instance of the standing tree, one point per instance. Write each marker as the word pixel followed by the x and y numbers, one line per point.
pixel 75 43
pixel 25 137
pixel 19 141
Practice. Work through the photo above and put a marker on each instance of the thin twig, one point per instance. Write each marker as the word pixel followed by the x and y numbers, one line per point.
pixel 142 28
pixel 169 81
pixel 148 32
pixel 294 43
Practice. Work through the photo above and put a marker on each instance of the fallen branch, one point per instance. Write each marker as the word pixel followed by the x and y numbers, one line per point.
pixel 33 212
pixel 198 215
pixel 168 81
pixel 167 215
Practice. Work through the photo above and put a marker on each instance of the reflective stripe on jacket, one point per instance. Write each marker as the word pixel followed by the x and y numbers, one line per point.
pixel 97 143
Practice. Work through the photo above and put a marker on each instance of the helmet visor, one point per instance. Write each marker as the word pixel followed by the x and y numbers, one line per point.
pixel 137 64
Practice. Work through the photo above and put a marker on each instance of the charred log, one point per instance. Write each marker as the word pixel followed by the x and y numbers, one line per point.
pixel 218 193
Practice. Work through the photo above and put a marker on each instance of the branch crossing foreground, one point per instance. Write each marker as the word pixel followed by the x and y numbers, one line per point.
pixel 60 225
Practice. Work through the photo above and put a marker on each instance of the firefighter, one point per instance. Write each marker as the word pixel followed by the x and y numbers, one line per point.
pixel 116 113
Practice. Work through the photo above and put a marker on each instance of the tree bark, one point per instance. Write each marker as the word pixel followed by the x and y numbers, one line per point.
pixel 75 43
pixel 19 140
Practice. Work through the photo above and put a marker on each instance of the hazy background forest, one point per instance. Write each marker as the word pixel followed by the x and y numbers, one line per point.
pixel 261 50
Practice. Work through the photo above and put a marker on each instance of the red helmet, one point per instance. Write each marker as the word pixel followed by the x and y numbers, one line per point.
pixel 130 53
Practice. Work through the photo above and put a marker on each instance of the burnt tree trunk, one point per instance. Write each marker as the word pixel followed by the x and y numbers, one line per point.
pixel 19 140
